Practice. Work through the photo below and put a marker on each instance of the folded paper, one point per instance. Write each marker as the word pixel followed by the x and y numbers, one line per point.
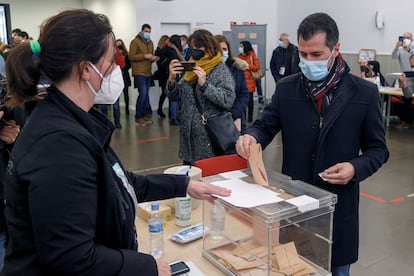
pixel 257 166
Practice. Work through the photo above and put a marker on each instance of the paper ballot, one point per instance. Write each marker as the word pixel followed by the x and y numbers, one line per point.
pixel 247 195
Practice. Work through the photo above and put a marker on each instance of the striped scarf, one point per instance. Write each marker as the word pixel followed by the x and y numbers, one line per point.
pixel 319 90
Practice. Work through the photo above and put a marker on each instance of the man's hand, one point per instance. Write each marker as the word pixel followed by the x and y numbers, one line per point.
pixel 339 174
pixel 243 145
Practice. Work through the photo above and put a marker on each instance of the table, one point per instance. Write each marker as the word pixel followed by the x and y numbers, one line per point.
pixel 390 91
pixel 305 211
pixel 174 251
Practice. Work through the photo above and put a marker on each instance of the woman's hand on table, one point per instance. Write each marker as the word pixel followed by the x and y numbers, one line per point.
pixel 202 190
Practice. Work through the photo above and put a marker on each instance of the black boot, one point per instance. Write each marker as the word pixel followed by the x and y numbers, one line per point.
pixel 126 99
pixel 162 114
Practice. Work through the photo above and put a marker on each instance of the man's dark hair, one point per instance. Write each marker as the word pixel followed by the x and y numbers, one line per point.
pixel 144 26
pixel 319 23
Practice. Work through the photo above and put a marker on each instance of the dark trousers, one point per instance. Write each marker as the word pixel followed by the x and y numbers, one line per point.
pixel 162 98
pixel 116 111
pixel 404 110
pixel 142 106
pixel 126 99
pixel 250 108
pixel 259 90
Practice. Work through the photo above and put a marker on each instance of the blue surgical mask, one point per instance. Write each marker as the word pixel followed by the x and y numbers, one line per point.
pixel 225 56
pixel 146 36
pixel 314 70
pixel 280 43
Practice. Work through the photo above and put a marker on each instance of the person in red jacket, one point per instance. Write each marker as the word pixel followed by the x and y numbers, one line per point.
pixel 247 54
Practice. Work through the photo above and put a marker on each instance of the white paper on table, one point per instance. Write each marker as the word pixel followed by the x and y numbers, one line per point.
pixel 247 195
pixel 304 203
pixel 233 174
pixel 194 271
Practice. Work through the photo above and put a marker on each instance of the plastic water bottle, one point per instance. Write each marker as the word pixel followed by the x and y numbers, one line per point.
pixel 397 83
pixel 378 81
pixel 217 220
pixel 156 232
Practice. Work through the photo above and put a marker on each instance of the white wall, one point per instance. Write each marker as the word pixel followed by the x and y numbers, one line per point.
pixel 122 14
pixel 355 20
pixel 28 15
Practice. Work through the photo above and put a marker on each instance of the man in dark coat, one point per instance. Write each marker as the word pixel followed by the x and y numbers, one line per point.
pixel 285 59
pixel 331 123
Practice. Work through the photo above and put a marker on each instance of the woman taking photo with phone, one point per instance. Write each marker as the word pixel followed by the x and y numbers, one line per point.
pixel 211 82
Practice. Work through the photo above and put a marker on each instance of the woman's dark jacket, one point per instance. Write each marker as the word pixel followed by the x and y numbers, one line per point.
pixel 351 130
pixel 68 211
pixel 166 54
pixel 125 72
pixel 238 110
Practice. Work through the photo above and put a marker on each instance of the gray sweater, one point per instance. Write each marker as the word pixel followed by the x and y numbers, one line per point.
pixel 403 57
pixel 217 95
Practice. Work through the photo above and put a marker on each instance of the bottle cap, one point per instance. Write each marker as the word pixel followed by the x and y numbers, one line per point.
pixel 155 206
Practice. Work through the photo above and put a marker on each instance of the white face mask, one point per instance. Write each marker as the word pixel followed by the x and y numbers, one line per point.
pixel 225 56
pixel 111 87
pixel 407 41
pixel 241 50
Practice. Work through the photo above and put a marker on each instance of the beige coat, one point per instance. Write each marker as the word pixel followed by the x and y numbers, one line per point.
pixel 137 49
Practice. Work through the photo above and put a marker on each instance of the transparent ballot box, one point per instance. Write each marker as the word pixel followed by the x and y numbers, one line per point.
pixel 291 234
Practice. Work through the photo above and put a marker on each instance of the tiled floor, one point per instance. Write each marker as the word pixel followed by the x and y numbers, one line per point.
pixel 386 208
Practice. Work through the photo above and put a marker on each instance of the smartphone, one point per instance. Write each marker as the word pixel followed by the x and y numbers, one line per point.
pixel 409 74
pixel 179 268
pixel 188 65
pixel 400 38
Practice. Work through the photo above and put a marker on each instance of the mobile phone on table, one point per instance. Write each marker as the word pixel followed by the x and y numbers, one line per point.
pixel 400 38
pixel 179 268
pixel 188 65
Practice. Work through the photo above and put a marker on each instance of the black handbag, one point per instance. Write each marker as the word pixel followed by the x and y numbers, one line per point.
pixel 220 129
pixel 222 132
